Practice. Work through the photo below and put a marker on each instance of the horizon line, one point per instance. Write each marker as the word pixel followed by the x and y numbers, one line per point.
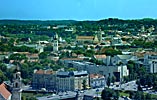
pixel 18 19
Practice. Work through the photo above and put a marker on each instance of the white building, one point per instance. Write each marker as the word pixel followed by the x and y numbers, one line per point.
pixel 150 62
pixel 116 41
pixel 97 80
pixel 153 66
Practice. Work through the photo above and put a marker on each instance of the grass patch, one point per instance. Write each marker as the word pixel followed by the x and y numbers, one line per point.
pixel 124 94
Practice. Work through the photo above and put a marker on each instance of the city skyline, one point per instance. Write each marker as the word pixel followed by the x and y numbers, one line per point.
pixel 77 9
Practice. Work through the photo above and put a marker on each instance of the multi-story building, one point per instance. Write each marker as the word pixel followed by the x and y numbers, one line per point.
pixel 44 79
pixel 119 71
pixel 150 63
pixel 70 81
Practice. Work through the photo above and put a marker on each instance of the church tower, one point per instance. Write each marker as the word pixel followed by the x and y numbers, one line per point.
pixel 100 35
pixel 55 43
pixel 16 91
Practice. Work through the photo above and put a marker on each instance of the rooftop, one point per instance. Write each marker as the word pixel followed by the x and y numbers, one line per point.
pixel 44 71
pixel 99 56
pixel 4 92
pixel 84 37
pixel 96 76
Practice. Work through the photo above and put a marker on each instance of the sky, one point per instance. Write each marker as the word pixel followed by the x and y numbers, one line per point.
pixel 77 9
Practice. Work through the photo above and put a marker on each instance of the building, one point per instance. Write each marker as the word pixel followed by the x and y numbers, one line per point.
pixel 119 71
pixel 71 81
pixel 100 57
pixel 115 60
pixel 116 41
pixel 150 63
pixel 4 93
pixel 97 80
pixel 55 43
pixel 16 91
pixel 153 66
pixel 88 39
pixel 44 79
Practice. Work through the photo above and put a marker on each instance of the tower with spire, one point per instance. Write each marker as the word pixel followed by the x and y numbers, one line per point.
pixel 16 91
pixel 55 43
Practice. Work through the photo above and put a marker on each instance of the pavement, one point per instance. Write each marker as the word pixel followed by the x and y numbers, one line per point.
pixel 132 86
pixel 70 94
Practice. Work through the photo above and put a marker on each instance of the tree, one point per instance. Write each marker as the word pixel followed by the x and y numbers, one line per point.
pixel 108 94
pixel 2 77
pixel 111 52
pixel 84 84
pixel 139 87
pixel 108 81
pixel 3 67
pixel 113 79
pixel 155 85
pixel 18 57
pixel 138 96
pixel 126 79
pixel 148 96
pixel 89 53
pixel 43 55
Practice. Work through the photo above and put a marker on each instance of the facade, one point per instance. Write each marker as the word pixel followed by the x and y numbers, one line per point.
pixel 150 63
pixel 16 91
pixel 97 80
pixel 4 93
pixel 44 79
pixel 153 66
pixel 71 81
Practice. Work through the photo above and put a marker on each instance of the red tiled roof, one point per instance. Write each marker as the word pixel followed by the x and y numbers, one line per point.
pixel 4 92
pixel 96 76
pixel 44 72
pixel 72 59
pixel 100 56
pixel 85 37
pixel 141 54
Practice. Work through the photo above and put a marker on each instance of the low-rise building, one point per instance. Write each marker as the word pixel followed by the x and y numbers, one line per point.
pixel 4 93
pixel 87 39
pixel 97 80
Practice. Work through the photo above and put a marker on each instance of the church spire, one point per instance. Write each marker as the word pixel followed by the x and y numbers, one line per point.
pixel 16 91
